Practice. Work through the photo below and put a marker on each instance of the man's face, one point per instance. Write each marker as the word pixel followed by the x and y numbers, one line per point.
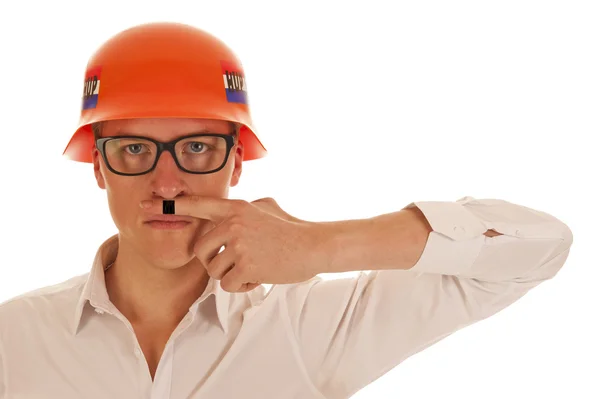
pixel 166 248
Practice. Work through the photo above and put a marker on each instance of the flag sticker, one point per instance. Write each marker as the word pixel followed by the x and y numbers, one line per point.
pixel 235 83
pixel 91 88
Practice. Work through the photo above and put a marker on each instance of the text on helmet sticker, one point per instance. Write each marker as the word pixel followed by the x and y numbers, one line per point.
pixel 235 84
pixel 91 88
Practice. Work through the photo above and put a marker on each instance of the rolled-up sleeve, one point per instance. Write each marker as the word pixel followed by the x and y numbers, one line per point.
pixel 351 331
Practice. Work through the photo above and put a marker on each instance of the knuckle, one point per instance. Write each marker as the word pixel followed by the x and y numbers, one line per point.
pixel 240 204
pixel 244 264
pixel 198 251
pixel 235 225
pixel 238 246
pixel 269 201
pixel 209 269
pixel 194 198
pixel 206 262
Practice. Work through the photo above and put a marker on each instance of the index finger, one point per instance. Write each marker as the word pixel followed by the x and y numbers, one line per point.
pixel 210 208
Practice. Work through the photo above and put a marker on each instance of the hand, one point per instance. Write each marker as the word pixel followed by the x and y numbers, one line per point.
pixel 263 244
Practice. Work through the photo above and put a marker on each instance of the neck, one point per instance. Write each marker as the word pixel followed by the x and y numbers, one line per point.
pixel 147 294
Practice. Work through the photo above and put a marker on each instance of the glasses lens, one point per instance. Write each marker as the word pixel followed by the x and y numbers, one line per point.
pixel 195 154
pixel 130 155
pixel 201 153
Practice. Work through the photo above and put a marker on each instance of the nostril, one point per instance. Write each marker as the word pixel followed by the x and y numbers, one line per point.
pixel 167 193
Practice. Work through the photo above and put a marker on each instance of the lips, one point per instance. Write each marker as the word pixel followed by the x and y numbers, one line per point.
pixel 168 218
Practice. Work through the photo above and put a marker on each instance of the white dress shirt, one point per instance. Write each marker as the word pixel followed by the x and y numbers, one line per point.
pixel 317 339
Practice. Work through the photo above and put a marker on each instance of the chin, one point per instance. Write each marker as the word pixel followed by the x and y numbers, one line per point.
pixel 170 258
pixel 169 247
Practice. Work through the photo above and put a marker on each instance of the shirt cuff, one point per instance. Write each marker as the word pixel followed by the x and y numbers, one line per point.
pixel 456 240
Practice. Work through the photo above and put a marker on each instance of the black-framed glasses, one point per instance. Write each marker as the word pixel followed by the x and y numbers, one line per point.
pixel 136 155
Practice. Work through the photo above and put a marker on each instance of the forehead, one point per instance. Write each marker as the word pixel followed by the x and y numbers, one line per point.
pixel 164 128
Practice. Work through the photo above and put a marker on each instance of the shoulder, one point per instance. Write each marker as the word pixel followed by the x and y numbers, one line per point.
pixel 42 303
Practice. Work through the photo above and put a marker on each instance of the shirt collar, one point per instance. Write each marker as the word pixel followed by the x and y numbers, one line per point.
pixel 95 293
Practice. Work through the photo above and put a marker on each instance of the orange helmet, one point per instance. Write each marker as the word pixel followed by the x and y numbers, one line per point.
pixel 163 70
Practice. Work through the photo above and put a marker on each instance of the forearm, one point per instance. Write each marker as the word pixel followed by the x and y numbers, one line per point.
pixel 390 241
pixel 386 242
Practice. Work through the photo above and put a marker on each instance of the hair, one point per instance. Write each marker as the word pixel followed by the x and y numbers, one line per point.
pixel 97 129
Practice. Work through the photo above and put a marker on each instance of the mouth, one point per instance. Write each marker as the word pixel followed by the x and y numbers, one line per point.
pixel 168 218
pixel 168 222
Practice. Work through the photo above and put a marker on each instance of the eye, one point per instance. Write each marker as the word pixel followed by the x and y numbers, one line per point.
pixel 197 146
pixel 134 148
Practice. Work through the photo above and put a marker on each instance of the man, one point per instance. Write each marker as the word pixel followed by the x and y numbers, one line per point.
pixel 174 305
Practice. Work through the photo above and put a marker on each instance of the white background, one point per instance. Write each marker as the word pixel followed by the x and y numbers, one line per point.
pixel 480 98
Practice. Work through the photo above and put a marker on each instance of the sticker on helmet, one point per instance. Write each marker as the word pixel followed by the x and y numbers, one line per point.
pixel 91 88
pixel 235 84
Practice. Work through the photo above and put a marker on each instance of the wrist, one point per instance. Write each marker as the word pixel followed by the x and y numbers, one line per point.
pixel 390 241
pixel 345 245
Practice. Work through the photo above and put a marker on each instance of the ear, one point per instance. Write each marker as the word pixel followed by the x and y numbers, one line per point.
pixel 237 168
pixel 97 172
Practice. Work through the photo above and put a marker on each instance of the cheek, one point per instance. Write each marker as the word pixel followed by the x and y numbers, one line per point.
pixel 212 185
pixel 123 200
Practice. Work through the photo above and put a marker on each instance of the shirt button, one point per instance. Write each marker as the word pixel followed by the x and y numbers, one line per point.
pixel 99 311
pixel 137 352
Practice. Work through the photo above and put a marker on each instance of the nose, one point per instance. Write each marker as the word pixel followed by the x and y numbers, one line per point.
pixel 167 181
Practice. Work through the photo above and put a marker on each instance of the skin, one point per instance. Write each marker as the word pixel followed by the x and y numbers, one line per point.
pixel 156 277
pixel 158 274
